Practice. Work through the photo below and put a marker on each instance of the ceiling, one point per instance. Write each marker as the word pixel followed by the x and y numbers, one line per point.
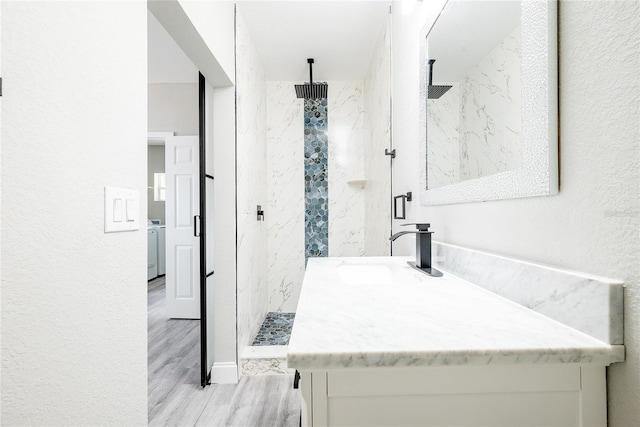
pixel 339 35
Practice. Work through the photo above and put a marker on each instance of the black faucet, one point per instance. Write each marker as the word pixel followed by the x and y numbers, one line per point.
pixel 423 248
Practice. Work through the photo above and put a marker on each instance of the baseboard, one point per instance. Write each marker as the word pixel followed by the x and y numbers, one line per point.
pixel 224 373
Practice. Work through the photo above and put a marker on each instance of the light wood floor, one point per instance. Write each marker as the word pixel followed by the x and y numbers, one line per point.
pixel 175 395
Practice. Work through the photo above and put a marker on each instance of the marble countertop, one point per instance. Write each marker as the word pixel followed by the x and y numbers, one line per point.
pixel 379 311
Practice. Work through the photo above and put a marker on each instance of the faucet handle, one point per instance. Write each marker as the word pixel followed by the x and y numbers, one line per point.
pixel 420 226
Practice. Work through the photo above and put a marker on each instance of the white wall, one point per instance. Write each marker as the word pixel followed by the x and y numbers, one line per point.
pixel 215 25
pixel 223 225
pixel 155 164
pixel 592 225
pixel 173 107
pixel 74 299
pixel 252 187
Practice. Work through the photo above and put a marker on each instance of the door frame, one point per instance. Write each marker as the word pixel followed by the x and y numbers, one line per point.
pixel 187 33
pixel 205 373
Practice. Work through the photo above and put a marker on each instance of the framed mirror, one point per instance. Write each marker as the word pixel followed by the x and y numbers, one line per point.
pixel 488 95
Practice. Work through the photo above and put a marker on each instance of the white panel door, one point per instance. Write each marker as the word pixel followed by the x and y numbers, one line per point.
pixel 182 243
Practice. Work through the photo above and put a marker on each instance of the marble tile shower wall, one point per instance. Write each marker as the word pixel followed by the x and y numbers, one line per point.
pixel 286 179
pixel 346 163
pixel 474 129
pixel 377 166
pixel 285 189
pixel 443 133
pixel 251 187
pixel 490 112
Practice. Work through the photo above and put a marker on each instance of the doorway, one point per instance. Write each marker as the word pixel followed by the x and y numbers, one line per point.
pixel 177 303
pixel 209 45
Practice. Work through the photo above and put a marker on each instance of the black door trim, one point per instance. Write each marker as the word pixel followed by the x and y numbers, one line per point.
pixel 205 376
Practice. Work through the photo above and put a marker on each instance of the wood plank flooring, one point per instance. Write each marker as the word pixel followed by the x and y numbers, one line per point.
pixel 175 395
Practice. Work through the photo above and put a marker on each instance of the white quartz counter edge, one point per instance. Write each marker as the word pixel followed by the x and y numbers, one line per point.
pixel 397 317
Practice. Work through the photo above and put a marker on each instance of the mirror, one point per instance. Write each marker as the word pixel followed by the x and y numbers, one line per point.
pixel 489 102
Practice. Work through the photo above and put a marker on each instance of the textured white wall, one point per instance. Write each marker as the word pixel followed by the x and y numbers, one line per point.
pixel 593 224
pixel 252 187
pixel 74 300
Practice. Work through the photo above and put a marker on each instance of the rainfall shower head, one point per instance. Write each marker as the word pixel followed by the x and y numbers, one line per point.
pixel 311 90
pixel 435 92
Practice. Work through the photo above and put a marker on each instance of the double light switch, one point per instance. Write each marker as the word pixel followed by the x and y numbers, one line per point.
pixel 121 211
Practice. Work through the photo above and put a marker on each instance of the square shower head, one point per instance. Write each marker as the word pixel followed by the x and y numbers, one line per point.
pixel 435 92
pixel 312 91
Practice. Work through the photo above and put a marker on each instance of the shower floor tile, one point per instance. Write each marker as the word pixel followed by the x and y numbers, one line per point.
pixel 275 330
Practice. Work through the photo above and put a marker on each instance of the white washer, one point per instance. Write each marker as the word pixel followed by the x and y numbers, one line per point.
pixel 152 253
pixel 161 250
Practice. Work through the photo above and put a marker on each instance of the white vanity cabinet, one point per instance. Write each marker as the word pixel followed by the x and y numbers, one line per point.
pixel 515 395
pixel 378 343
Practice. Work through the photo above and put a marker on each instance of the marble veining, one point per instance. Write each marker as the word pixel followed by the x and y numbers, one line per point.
pixel 443 139
pixel 285 189
pixel 404 318
pixel 591 304
pixel 286 180
pixel 474 129
pixel 265 360
pixel 346 153
pixel 251 186
pixel 490 112
pixel 377 166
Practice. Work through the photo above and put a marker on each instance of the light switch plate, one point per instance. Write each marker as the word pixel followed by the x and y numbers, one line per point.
pixel 121 209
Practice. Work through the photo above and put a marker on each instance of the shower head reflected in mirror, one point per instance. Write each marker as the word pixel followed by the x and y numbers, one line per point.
pixel 435 92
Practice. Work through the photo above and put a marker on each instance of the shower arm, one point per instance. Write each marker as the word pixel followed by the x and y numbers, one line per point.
pixel 310 61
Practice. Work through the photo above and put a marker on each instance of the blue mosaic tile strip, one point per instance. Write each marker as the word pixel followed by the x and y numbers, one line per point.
pixel 275 330
pixel 316 184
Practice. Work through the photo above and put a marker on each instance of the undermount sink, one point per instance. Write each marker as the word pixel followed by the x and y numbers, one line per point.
pixel 364 273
